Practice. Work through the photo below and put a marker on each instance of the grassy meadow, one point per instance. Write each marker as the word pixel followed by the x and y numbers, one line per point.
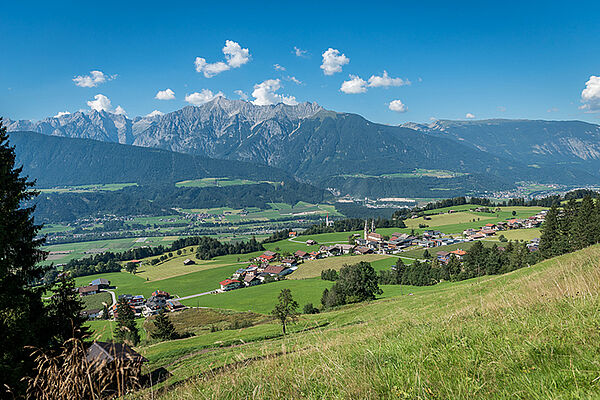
pixel 529 334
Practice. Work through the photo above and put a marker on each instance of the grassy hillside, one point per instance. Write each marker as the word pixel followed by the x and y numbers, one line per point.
pixel 530 334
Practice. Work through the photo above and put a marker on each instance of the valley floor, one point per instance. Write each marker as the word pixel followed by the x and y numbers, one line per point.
pixel 529 334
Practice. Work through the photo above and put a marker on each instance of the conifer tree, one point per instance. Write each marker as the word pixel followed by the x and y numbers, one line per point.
pixel 550 238
pixel 163 327
pixel 126 329
pixel 582 229
pixel 64 311
pixel 22 314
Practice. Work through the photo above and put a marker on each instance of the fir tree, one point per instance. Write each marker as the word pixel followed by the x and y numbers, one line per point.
pixel 64 310
pixel 582 231
pixel 163 327
pixel 550 238
pixel 126 329
pixel 22 314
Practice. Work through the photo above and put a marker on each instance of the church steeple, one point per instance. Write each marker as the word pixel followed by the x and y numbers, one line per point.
pixel 366 232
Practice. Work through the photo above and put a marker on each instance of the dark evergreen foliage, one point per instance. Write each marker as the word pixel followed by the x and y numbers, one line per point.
pixel 23 319
pixel 126 330
pixel 163 327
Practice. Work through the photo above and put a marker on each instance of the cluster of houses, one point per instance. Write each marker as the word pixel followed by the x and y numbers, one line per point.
pixel 514 223
pixel 141 306
pixel 159 300
pixel 269 265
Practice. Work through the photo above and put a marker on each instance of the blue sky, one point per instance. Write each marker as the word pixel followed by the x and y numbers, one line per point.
pixel 500 60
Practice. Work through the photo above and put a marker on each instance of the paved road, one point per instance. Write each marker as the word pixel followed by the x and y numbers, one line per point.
pixel 196 295
pixel 114 298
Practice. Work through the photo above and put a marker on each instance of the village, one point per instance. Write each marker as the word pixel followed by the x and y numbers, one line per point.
pixel 272 266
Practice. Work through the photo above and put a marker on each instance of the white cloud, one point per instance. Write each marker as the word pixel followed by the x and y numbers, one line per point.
pixel 355 85
pixel 590 96
pixel 235 57
pixel 469 116
pixel 279 67
pixel 102 103
pixel 210 70
pixel 204 96
pixel 552 110
pixel 398 106
pixel 333 61
pixel 386 81
pixel 299 52
pixel 295 80
pixel 155 113
pixel 93 79
pixel 166 94
pixel 61 113
pixel 242 94
pixel 234 53
pixel 264 94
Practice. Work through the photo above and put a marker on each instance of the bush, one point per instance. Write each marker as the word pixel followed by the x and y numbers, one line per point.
pixel 329 275
pixel 310 309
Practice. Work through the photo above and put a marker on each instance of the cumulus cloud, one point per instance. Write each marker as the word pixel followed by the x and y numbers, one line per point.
pixel 264 94
pixel 355 85
pixel 242 94
pixel 590 96
pixel 61 113
pixel 333 61
pixel 279 67
pixel 94 79
pixel 469 116
pixel 398 106
pixel 204 96
pixel 386 81
pixel 155 113
pixel 166 94
pixel 102 103
pixel 235 57
pixel 299 52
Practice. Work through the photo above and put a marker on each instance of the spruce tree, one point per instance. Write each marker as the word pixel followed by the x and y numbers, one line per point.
pixel 22 314
pixel 550 237
pixel 163 327
pixel 582 227
pixel 126 329
pixel 64 310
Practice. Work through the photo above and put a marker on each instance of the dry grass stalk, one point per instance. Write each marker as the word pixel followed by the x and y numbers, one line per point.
pixel 70 375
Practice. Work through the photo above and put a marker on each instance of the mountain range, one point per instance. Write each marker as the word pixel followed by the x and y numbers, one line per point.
pixel 339 150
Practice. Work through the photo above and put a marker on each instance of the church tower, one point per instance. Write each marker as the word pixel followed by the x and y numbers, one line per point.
pixel 366 232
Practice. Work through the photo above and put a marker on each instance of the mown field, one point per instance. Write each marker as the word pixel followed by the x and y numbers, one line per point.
pixel 87 249
pixel 529 334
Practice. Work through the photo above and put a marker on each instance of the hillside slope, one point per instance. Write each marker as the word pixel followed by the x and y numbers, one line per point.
pixel 53 160
pixel 570 143
pixel 529 334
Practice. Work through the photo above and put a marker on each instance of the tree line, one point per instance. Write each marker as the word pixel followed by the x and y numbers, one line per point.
pixel 353 224
pixel 207 248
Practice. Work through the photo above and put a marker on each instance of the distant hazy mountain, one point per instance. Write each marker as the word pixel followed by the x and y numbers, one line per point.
pixel 573 143
pixel 56 161
pixel 324 147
